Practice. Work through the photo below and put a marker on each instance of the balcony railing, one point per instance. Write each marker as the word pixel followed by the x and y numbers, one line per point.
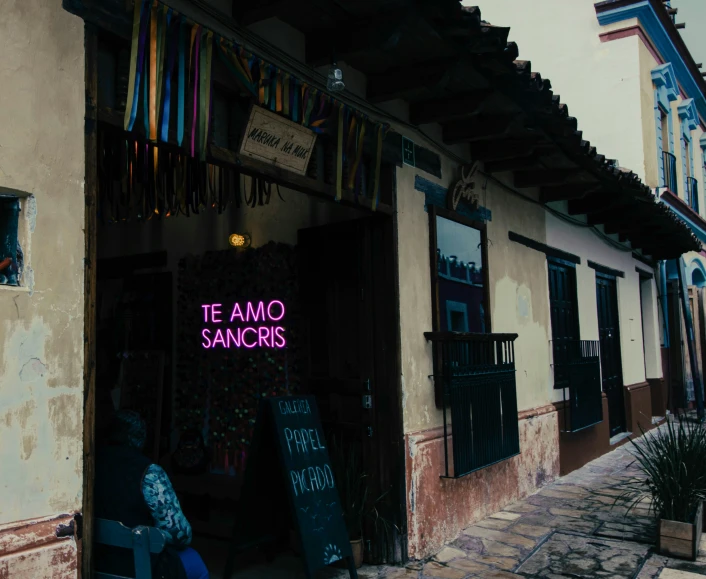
pixel 670 171
pixel 692 193
pixel 581 365
pixel 477 377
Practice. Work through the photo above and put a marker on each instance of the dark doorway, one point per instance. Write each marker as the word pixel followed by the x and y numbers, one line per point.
pixel 564 316
pixel 611 363
pixel 347 289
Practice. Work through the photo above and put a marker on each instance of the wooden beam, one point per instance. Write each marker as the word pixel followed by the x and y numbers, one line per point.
pixel 398 82
pixel 89 293
pixel 249 166
pixel 593 204
pixel 539 177
pixel 528 162
pixel 503 149
pixel 478 128
pixel 550 193
pixel 247 13
pixel 447 109
pixel 356 37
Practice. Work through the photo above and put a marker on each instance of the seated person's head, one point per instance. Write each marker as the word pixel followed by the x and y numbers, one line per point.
pixel 127 428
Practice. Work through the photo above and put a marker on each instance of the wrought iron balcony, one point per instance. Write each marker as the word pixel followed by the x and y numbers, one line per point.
pixel 692 193
pixel 670 171
pixel 580 366
pixel 476 373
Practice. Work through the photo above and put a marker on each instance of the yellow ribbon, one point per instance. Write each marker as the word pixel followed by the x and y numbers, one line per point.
pixel 153 74
pixel 133 64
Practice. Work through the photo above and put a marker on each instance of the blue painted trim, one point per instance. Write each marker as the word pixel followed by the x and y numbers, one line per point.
pixel 697 265
pixel 702 141
pixel 436 195
pixel 688 114
pixel 699 231
pixel 652 25
pixel 666 84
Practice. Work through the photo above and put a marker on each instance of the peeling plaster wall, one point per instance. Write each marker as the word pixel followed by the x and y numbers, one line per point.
pixel 438 509
pixel 41 325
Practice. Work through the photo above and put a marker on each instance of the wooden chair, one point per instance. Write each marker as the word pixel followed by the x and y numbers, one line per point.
pixel 142 540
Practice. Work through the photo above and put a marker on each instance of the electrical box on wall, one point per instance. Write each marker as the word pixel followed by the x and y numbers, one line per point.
pixel 408 152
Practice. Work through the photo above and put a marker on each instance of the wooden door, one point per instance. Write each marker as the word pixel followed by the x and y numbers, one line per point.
pixel 611 362
pixel 350 313
pixel 564 317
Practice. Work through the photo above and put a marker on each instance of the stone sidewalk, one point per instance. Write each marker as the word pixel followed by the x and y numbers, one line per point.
pixel 570 528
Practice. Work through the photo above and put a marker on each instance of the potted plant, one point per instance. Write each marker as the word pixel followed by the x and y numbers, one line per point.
pixel 673 460
pixel 352 485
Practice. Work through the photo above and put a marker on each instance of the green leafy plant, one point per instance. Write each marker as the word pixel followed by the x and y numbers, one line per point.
pixel 673 460
pixel 354 492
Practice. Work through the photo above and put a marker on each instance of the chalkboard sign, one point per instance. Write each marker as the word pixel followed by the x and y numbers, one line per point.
pixel 289 460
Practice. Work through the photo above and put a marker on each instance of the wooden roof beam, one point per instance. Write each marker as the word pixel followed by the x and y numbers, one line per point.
pixel 550 193
pixel 447 109
pixel 502 149
pixel 598 204
pixel 478 128
pixel 396 83
pixel 540 177
pixel 357 36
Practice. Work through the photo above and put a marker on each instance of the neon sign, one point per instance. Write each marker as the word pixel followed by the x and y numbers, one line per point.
pixel 251 325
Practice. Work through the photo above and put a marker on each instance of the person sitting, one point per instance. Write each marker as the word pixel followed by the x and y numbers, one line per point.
pixel 131 489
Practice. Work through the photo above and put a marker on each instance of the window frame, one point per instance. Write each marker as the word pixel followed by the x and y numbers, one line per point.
pixel 434 212
pixel 570 267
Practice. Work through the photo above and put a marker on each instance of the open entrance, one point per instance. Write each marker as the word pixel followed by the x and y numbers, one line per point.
pixel 611 362
pixel 221 282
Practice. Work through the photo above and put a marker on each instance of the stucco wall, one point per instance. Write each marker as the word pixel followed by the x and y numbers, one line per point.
pixel 582 242
pixel 519 295
pixel 41 326
pixel 598 80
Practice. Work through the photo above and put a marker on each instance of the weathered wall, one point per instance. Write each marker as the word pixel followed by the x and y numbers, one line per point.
pixel 438 509
pixel 519 295
pixel 599 80
pixel 583 242
pixel 41 324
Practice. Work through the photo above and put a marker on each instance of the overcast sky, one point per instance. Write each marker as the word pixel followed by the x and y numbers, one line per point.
pixel 693 12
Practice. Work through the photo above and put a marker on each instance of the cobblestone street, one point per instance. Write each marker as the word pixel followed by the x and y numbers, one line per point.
pixel 568 529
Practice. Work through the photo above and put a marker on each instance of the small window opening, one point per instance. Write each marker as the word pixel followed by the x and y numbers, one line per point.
pixel 11 257
pixel 664 119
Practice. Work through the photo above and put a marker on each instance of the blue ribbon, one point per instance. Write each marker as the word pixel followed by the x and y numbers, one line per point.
pixel 144 18
pixel 168 83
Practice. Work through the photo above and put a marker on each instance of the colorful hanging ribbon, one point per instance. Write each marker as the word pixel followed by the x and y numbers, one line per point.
pixel 168 81
pixel 196 59
pixel 139 30
pixel 181 82
pixel 205 94
pixel 339 154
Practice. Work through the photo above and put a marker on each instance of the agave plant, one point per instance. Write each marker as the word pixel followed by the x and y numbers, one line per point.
pixel 352 482
pixel 673 460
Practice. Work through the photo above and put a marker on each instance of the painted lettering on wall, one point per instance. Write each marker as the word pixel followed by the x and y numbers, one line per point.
pixel 249 325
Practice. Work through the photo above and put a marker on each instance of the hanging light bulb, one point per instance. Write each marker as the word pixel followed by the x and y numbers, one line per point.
pixel 334 80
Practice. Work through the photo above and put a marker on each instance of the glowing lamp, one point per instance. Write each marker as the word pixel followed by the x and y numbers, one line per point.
pixel 240 240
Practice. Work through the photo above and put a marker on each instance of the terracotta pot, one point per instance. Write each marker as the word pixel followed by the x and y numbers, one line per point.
pixel 357 549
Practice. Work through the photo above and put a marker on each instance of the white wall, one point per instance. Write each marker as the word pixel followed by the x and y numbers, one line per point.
pixel 583 242
pixel 599 81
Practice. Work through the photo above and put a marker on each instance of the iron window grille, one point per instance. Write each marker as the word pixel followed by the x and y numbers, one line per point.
pixel 477 375
pixel 692 193
pixel 670 171
pixel 582 365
